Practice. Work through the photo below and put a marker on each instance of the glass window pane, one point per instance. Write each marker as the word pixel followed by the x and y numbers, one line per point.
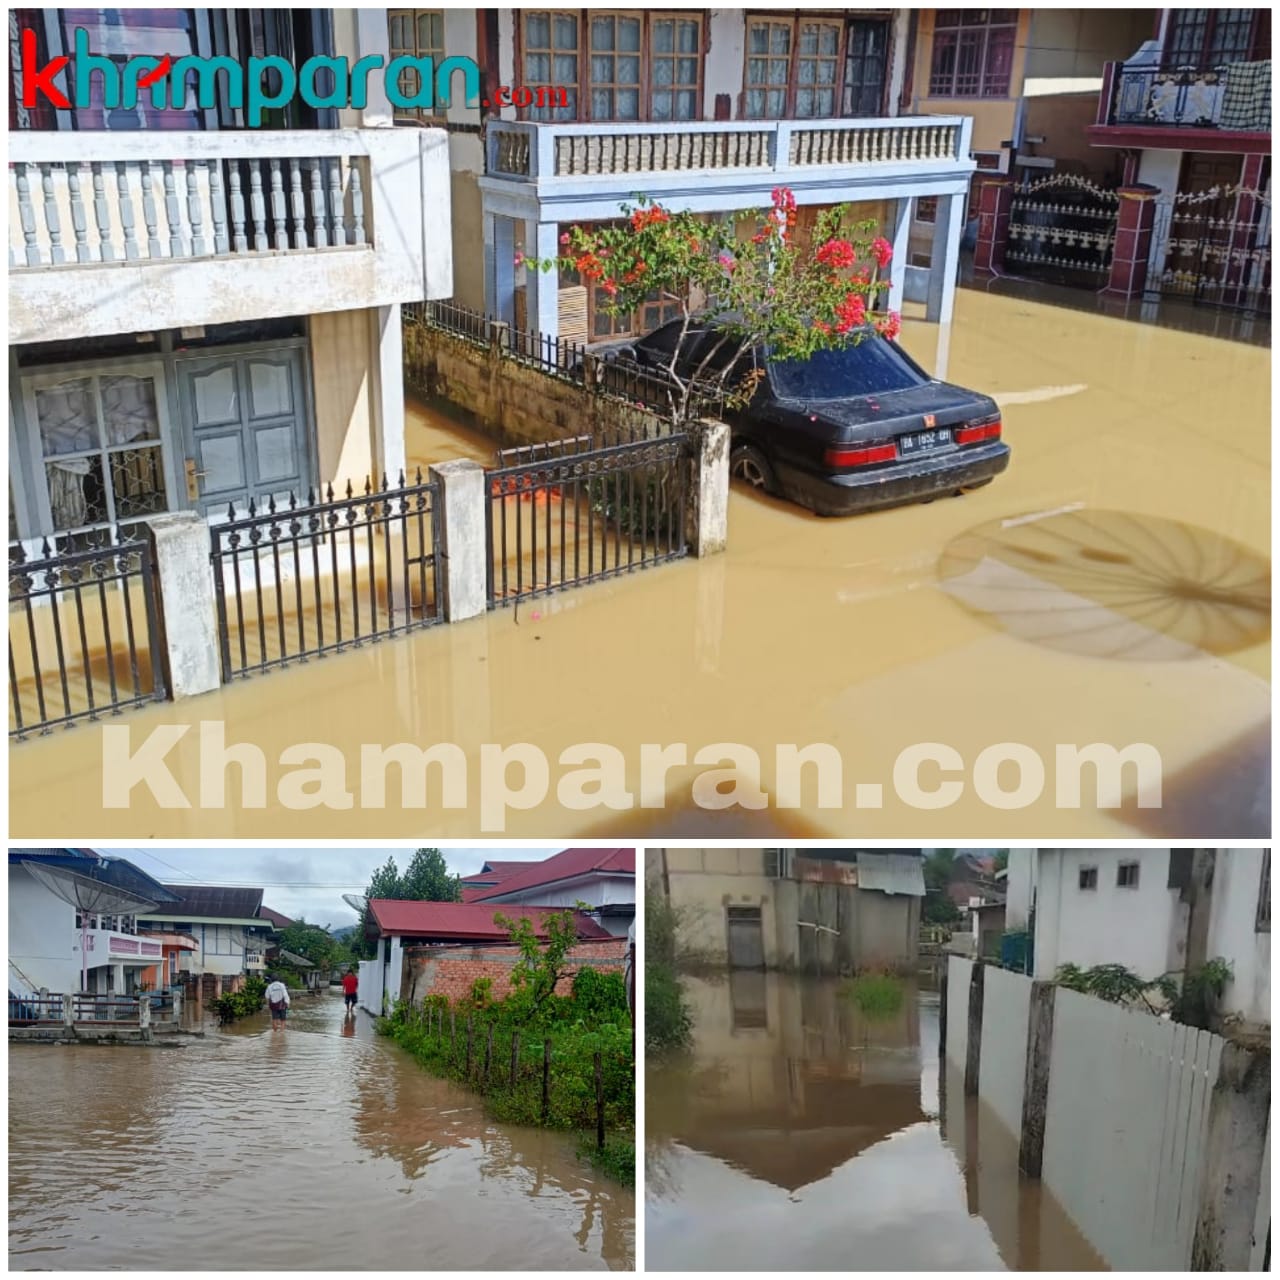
pixel 663 36
pixel 663 72
pixel 687 71
pixel 601 69
pixel 808 40
pixel 758 39
pixel 137 483
pixel 689 37
pixel 628 71
pixel 602 104
pixel 629 35
pixel 67 417
pixel 829 40
pixel 566 32
pixel 661 106
pixel 566 68
pixel 602 34
pixel 627 104
pixel 777 102
pixel 780 40
pixel 777 71
pixel 129 409
pixel 537 31
pixel 755 103
pixel 756 70
pixel 686 105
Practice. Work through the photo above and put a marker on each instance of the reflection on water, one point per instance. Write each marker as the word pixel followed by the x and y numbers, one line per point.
pixel 1113 584
pixel 321 1148
pixel 799 1135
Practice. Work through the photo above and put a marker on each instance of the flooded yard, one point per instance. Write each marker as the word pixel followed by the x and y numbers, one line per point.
pixel 1113 587
pixel 798 1135
pixel 322 1148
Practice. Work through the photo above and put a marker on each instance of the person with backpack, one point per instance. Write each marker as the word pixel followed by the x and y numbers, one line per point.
pixel 278 999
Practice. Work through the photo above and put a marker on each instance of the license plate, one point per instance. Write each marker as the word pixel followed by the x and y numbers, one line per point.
pixel 923 441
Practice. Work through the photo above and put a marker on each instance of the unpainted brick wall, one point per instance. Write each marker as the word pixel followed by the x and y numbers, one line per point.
pixel 451 971
pixel 513 402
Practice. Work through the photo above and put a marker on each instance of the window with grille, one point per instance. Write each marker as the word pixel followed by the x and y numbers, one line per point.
pixel 615 66
pixel 1264 896
pixel 772 863
pixel 416 33
pixel 1127 875
pixel 675 64
pixel 550 47
pixel 973 53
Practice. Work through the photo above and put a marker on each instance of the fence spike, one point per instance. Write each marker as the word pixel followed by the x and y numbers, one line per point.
pixel 330 497
pixel 402 477
pixel 418 476
pixel 253 510
pixel 231 510
pixel 350 490
pixel 293 501
pixel 271 504
pixel 385 485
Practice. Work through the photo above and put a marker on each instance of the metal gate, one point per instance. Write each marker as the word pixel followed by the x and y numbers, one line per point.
pixel 84 640
pixel 1063 228
pixel 1214 247
pixel 293 581
pixel 746 937
pixel 578 510
pixel 819 917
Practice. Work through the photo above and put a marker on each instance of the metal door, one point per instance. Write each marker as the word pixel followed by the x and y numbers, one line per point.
pixel 818 918
pixel 244 419
pixel 746 937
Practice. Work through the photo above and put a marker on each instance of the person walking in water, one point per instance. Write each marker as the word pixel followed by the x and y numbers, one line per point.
pixel 350 989
pixel 278 999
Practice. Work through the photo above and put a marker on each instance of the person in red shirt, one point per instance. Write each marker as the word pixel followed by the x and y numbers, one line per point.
pixel 350 986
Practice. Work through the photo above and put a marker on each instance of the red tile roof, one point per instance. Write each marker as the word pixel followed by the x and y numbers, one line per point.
pixel 461 920
pixel 280 921
pixel 565 866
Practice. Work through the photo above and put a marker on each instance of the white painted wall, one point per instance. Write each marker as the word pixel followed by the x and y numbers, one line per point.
pixel 1233 933
pixel 1160 169
pixel 369 992
pixel 1006 1013
pixel 1143 929
pixel 725 63
pixel 42 937
pixel 1020 886
pixel 959 974
pixel 395 971
pixel 595 891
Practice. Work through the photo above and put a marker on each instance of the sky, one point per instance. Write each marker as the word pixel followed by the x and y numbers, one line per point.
pixel 302 882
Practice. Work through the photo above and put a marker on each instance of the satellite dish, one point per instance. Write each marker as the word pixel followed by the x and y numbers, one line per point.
pixel 357 902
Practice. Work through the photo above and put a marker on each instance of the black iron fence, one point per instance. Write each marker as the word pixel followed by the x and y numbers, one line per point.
pixel 580 510
pixel 83 634
pixel 1063 229
pixel 296 581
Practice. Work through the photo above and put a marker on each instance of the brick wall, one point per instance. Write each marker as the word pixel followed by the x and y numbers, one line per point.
pixel 450 971
pixel 514 403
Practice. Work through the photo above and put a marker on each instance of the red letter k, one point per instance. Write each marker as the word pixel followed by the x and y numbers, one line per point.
pixel 40 79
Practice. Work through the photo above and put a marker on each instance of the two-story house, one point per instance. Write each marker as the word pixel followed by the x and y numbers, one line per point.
pixel 75 922
pixel 230 932
pixel 204 308
pixel 707 110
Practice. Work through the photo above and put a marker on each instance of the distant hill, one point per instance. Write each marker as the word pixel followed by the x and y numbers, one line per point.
pixel 343 934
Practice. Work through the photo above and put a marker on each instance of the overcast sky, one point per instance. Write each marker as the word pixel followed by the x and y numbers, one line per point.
pixel 302 882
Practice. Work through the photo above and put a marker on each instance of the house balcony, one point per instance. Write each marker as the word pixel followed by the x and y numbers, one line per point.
pixel 110 946
pixel 573 172
pixel 1222 108
pixel 255 961
pixel 121 232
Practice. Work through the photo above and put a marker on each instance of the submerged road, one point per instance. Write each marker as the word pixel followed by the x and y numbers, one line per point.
pixel 323 1147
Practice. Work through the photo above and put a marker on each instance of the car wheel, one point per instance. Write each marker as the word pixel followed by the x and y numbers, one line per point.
pixel 748 464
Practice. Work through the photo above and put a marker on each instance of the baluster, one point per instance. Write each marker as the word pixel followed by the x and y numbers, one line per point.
pixel 126 210
pixel 51 220
pixel 78 224
pixel 195 208
pixel 239 241
pixel 320 226
pixel 101 215
pixel 357 203
pixel 149 211
pixel 257 206
pixel 27 215
pixel 299 205
pixel 278 205
pixel 172 211
pixel 335 202
pixel 217 203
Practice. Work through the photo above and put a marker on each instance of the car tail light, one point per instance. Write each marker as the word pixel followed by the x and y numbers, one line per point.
pixel 983 429
pixel 843 456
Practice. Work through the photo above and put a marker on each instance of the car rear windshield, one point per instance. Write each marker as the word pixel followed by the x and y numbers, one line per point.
pixel 872 367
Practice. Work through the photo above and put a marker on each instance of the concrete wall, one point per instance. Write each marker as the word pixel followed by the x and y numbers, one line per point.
pixel 1233 934
pixel 451 971
pixel 703 882
pixel 369 993
pixel 1143 929
pixel 959 976
pixel 596 892
pixel 515 403
pixel 1074 44
pixel 344 371
pixel 42 937
pixel 1006 1011
pixel 1020 888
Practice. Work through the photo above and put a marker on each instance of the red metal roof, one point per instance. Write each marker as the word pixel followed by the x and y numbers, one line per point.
pixel 565 866
pixel 280 921
pixel 461 920
pixel 495 871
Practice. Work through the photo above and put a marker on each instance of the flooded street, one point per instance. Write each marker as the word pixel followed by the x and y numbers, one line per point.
pixel 321 1148
pixel 1112 587
pixel 800 1136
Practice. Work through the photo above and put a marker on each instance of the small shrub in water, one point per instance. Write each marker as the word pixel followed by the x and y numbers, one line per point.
pixel 877 995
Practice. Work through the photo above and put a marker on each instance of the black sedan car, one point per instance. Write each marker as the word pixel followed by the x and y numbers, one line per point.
pixel 850 429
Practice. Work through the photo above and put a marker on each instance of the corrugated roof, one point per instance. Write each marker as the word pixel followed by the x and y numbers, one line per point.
pixel 461 920
pixel 212 901
pixel 275 917
pixel 564 866
pixel 888 872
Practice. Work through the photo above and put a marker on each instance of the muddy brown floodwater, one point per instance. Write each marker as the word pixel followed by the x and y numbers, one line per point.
pixel 801 1136
pixel 1112 587
pixel 309 1149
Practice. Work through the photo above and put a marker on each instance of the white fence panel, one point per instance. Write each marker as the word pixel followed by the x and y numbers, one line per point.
pixel 1128 1092
pixel 959 974
pixel 1006 1017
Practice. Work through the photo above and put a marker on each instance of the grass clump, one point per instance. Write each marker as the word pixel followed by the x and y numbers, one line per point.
pixel 877 995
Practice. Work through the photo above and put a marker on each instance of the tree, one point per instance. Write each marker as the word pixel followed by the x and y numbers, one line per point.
pixel 428 879
pixel 312 942
pixel 1002 860
pixel 762 291
pixel 938 907
pixel 541 966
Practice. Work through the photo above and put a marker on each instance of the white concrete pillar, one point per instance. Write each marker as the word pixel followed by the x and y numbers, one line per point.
pixel 945 266
pixel 187 614
pixel 68 1011
pixel 901 253
pixel 542 289
pixel 709 490
pixel 388 441
pixel 464 548
pixel 500 268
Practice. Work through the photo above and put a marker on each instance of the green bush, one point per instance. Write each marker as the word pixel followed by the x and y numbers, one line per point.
pixel 599 995
pixel 877 995
pixel 240 1004
pixel 667 1023
pixel 617 1159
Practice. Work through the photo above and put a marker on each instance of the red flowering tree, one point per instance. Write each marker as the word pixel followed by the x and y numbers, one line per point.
pixel 760 291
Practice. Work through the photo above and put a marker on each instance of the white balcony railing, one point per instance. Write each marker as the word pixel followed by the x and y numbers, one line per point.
pixel 255 960
pixel 105 946
pixel 531 152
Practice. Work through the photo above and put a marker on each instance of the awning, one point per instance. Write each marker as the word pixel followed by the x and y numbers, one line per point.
pixel 179 941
